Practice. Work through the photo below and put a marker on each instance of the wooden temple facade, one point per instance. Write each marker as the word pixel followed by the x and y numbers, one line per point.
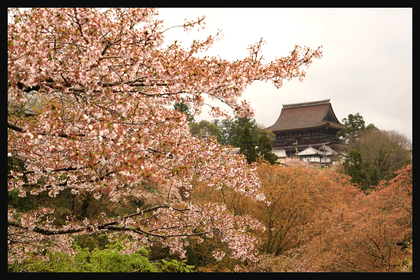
pixel 306 125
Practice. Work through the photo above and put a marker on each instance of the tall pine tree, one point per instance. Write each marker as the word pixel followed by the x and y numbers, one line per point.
pixel 246 144
pixel 264 148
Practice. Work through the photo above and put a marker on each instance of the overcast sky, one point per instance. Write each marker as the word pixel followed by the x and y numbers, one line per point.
pixel 366 67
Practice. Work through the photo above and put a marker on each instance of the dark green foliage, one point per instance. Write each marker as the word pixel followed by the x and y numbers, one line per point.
pixel 199 255
pixel 16 164
pixel 246 144
pixel 373 176
pixel 174 266
pixel 264 148
pixel 237 129
pixel 231 130
pixel 21 204
pixel 91 241
pixel 353 165
pixel 184 108
pixel 360 174
pixel 354 125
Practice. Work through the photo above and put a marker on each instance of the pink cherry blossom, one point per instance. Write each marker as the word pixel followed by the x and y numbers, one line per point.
pixel 107 83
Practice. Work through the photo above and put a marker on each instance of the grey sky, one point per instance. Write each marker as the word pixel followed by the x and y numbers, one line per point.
pixel 366 68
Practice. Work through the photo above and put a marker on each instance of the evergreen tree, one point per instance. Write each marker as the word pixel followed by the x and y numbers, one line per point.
pixel 235 127
pixel 354 125
pixel 264 148
pixel 353 166
pixel 246 144
pixel 231 130
pixel 184 108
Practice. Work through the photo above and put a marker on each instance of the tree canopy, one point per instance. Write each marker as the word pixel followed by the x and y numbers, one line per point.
pixel 265 147
pixel 354 124
pixel 375 155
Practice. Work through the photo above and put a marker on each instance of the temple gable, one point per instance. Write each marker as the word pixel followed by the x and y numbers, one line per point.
pixel 303 125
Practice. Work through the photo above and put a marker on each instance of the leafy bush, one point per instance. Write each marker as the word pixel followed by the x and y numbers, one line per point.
pixel 110 259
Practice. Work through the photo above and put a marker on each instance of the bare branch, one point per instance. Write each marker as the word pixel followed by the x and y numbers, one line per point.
pixel 45 231
pixel 14 127
pixel 110 226
pixel 79 26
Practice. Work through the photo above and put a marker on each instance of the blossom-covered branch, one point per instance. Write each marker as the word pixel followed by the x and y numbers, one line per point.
pixel 105 81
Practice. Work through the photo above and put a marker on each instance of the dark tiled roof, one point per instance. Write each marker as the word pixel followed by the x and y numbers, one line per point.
pixel 306 115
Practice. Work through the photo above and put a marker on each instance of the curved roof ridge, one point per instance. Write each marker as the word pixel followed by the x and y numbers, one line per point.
pixel 304 104
pixel 306 115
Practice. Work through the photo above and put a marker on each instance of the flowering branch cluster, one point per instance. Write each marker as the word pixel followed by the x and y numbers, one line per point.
pixel 106 82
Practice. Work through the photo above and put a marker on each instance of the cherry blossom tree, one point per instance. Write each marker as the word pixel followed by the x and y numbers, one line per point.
pixel 106 84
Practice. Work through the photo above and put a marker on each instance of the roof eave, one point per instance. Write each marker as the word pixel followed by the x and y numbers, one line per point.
pixel 327 124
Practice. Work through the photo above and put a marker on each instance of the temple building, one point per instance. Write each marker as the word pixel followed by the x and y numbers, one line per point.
pixel 307 130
